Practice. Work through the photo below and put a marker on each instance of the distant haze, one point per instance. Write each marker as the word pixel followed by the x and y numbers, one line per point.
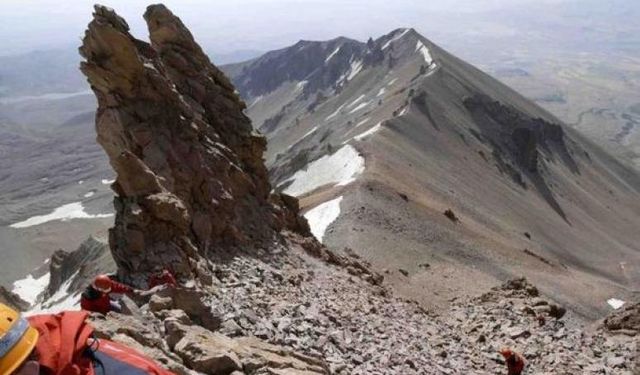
pixel 260 25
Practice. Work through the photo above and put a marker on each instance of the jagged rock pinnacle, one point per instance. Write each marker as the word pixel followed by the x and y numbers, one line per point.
pixel 190 173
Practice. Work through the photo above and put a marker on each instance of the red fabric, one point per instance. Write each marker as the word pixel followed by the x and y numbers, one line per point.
pixel 102 303
pixel 163 278
pixel 515 364
pixel 116 287
pixel 63 338
pixel 131 357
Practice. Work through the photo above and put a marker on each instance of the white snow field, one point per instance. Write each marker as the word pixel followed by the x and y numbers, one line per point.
pixel 313 130
pixel 358 99
pixel 334 114
pixel 67 212
pixel 359 107
pixel 363 121
pixel 28 289
pixel 61 300
pixel 332 54
pixel 338 169
pixel 356 67
pixel 388 43
pixel 321 216
pixel 420 47
pixel 300 85
pixel 367 133
pixel 615 303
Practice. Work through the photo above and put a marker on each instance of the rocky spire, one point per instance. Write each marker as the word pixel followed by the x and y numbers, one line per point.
pixel 190 173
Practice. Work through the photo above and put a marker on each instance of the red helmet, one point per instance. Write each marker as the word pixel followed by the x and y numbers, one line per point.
pixel 102 283
pixel 506 352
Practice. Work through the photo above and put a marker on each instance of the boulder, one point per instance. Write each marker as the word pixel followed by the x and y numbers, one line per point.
pixel 214 353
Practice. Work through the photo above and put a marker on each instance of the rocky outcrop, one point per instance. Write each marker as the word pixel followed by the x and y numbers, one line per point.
pixel 190 174
pixel 12 300
pixel 522 136
pixel 626 320
pixel 91 258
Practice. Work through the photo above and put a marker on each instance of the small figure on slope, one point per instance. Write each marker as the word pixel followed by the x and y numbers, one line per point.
pixel 515 362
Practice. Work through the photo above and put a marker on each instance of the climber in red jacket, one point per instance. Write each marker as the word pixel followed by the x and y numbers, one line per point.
pixel 165 277
pixel 63 344
pixel 97 296
pixel 515 362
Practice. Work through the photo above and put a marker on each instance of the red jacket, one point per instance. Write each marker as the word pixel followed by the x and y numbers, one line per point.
pixel 163 278
pixel 63 343
pixel 515 364
pixel 96 301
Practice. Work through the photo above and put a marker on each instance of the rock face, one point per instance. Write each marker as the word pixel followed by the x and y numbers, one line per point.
pixel 92 257
pixel 12 299
pixel 190 174
pixel 626 320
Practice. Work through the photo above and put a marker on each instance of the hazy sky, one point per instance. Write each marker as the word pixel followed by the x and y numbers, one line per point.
pixel 231 25
pixel 236 24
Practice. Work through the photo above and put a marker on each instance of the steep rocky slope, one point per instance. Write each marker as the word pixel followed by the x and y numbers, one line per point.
pixel 407 132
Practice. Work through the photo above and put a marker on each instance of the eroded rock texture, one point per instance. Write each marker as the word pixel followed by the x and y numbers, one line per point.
pixel 190 173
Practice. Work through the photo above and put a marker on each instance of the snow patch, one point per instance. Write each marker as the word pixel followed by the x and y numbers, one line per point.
pixel 338 169
pixel 61 300
pixel 381 92
pixel 392 82
pixel 308 133
pixel 301 85
pixel 254 102
pixel 367 133
pixel 420 47
pixel 332 54
pixel 69 211
pixel 615 303
pixel 388 43
pixel 28 289
pixel 108 182
pixel 321 216
pixel 362 122
pixel 149 65
pixel 359 107
pixel 334 114
pixel 356 67
pixel 356 101
pixel 303 137
pixel 89 194
pixel 80 182
pixel 404 111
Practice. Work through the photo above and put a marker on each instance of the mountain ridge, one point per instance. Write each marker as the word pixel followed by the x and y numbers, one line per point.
pixel 412 104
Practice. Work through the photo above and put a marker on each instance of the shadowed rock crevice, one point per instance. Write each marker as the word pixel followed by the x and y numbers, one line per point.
pixel 190 173
pixel 521 144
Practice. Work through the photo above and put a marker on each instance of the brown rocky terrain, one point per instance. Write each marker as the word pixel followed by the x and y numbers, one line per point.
pixel 190 175
pixel 258 294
